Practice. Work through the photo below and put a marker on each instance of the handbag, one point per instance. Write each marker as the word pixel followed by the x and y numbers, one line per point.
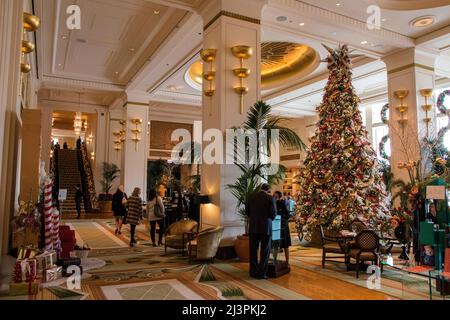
pixel 158 210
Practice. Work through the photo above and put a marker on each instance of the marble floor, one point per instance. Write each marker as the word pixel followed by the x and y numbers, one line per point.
pixel 147 273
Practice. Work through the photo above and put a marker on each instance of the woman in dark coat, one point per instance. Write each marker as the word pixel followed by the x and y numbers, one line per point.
pixel 119 210
pixel 134 215
pixel 283 211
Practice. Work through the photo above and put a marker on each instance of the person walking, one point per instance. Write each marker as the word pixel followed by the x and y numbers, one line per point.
pixel 156 215
pixel 78 199
pixel 261 211
pixel 119 209
pixel 134 215
pixel 283 211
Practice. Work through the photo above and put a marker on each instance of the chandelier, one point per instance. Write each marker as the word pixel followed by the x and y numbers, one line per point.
pixel 77 124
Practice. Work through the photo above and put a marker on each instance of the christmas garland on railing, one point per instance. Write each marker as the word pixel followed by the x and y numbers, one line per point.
pixel 384 140
pixel 442 109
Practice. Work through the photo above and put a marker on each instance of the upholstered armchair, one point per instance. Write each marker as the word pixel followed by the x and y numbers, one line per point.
pixel 205 245
pixel 178 234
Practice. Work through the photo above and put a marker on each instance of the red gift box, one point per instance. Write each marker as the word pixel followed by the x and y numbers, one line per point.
pixel 25 270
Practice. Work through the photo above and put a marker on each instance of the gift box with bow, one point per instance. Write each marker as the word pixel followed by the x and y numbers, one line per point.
pixel 25 270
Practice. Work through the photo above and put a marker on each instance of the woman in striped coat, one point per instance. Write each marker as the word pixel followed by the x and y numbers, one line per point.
pixel 134 213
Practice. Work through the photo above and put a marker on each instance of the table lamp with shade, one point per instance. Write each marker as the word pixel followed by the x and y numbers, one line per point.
pixel 199 200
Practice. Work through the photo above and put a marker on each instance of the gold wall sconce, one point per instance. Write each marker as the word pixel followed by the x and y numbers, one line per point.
pixel 241 52
pixel 427 94
pixel 30 24
pixel 136 131
pixel 402 108
pixel 117 142
pixel 208 56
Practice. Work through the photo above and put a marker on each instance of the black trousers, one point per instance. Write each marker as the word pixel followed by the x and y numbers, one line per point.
pixel 262 241
pixel 78 207
pixel 132 231
pixel 153 230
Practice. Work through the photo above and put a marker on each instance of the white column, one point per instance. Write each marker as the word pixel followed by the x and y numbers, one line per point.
pixel 46 135
pixel 410 70
pixel 10 43
pixel 228 23
pixel 135 154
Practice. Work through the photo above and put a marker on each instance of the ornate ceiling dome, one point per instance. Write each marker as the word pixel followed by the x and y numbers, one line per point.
pixel 280 62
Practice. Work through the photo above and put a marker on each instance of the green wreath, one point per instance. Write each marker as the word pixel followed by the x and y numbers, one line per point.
pixel 384 140
pixel 384 111
pixel 442 109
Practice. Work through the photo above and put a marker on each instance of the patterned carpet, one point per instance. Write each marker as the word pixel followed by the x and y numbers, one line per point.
pixel 144 272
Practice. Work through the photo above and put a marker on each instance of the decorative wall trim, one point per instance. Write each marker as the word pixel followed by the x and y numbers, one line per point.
pixel 411 65
pixel 61 82
pixel 231 15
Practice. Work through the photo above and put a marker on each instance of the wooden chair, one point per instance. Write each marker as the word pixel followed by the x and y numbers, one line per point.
pixel 360 226
pixel 332 245
pixel 367 245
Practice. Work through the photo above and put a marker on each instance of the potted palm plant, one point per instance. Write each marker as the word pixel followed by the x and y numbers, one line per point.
pixel 110 172
pixel 259 117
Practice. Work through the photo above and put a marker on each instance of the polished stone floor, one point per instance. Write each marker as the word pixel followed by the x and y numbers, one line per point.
pixel 147 273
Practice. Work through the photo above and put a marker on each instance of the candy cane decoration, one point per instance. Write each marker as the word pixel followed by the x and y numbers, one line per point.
pixel 56 240
pixel 48 208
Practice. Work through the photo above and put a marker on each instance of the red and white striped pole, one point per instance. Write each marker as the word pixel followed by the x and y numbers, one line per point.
pixel 56 240
pixel 48 211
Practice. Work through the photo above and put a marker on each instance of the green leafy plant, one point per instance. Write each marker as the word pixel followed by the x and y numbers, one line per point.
pixel 110 172
pixel 259 118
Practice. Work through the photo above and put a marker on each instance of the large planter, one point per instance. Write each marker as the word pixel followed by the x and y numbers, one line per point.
pixel 242 247
pixel 105 203
pixel 105 206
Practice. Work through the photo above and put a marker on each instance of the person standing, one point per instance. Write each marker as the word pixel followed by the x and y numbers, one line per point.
pixel 156 215
pixel 134 215
pixel 291 204
pixel 283 211
pixel 78 199
pixel 261 211
pixel 79 143
pixel 119 209
pixel 65 146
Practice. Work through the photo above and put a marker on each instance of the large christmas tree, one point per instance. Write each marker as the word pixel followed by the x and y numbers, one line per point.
pixel 339 180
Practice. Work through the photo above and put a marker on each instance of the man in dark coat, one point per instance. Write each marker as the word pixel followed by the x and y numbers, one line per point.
pixel 78 199
pixel 261 211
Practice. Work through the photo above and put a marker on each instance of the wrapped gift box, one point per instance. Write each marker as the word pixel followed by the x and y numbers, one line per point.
pixel 52 274
pixel 46 260
pixel 24 288
pixel 25 270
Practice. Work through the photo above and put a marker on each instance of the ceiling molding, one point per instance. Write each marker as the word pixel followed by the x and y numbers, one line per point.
pixel 60 82
pixel 330 17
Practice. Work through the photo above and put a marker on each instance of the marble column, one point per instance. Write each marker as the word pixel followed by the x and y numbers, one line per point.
pixel 228 23
pixel 31 146
pixel 10 43
pixel 135 153
pixel 410 70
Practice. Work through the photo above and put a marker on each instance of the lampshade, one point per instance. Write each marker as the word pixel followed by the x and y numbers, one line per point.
pixel 202 199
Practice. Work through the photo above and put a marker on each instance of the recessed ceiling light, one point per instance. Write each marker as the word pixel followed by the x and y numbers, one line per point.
pixel 301 24
pixel 132 49
pixel 116 73
pixel 334 33
pixel 423 21
pixel 281 18
pixel 384 19
pixel 338 4
pixel 364 42
pixel 64 37
pixel 156 12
